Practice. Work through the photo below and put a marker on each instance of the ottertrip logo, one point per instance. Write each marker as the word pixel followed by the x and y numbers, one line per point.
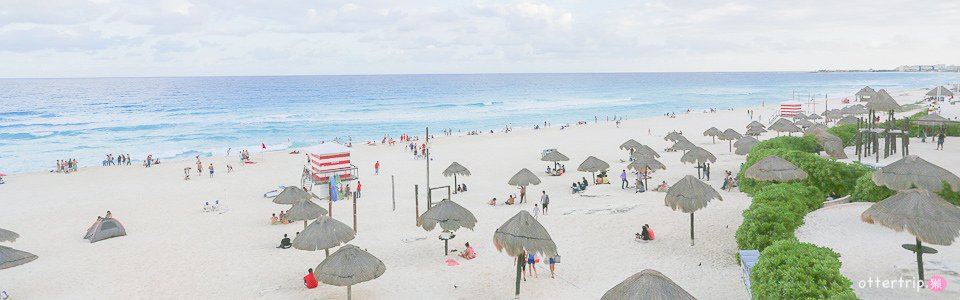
pixel 935 283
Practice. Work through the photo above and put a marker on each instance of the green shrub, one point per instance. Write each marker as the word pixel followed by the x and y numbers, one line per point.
pixel 789 269
pixel 764 224
pixel 867 191
pixel 799 143
pixel 806 198
pixel 847 133
pixel 827 175
pixel 950 196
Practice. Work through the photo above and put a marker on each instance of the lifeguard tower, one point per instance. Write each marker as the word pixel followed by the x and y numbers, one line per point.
pixel 326 161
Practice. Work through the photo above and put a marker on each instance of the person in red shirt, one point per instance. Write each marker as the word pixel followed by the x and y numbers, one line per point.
pixel 310 281
pixel 376 167
pixel 357 196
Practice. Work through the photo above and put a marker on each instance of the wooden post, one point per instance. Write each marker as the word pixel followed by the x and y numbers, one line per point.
pixel 393 193
pixel 330 207
pixel 519 271
pixel 416 197
pixel 920 259
pixel 349 293
pixel 426 155
pixel 354 214
pixel 691 229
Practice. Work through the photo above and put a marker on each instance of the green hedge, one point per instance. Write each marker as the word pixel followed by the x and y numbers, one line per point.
pixel 776 212
pixel 789 269
pixel 827 175
pixel 867 191
pixel 799 143
pixel 847 133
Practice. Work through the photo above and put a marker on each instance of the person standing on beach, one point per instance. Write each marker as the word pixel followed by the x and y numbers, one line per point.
pixel 523 193
pixel 199 166
pixel 376 168
pixel 940 138
pixel 535 211
pixel 357 196
pixel 545 200
pixel 706 171
pixel 211 170
pixel 623 180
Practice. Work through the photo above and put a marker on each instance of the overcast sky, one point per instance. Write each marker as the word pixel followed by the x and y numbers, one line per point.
pixel 79 38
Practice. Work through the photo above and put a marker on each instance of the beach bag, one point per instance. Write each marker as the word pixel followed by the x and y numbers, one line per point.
pixel 556 259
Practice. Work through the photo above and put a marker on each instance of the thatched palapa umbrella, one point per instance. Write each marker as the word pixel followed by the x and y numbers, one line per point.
pixel 833 114
pixel 804 123
pixel 915 172
pixel 645 165
pixel 645 150
pixel 923 214
pixel 744 140
pixel 8 236
pixel 456 169
pixel 830 143
pixel 648 284
pixel 683 145
pixel 865 94
pixel 520 234
pixel 713 132
pixel 593 165
pixel 689 195
pixel 755 131
pixel 305 210
pixel 857 109
pixel 784 125
pixel 820 126
pixel 774 168
pixel 940 91
pixel 10 257
pixel 755 124
pixel 744 148
pixel 730 135
pixel 349 266
pixel 291 195
pixel 674 136
pixel 800 116
pixel 630 145
pixel 883 102
pixel 698 156
pixel 450 216
pixel 814 117
pixel 555 157
pixel 324 233
pixel 524 178
pixel 848 120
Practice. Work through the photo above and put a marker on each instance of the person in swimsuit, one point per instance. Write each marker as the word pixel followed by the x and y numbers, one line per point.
pixel 531 264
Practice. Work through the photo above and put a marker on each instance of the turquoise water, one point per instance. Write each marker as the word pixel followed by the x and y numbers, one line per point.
pixel 42 120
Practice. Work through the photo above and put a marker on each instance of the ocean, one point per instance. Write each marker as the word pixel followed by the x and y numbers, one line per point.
pixel 42 120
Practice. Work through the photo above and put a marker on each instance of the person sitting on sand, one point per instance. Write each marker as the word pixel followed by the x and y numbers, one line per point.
pixel 274 220
pixel 285 243
pixel 464 189
pixel 511 200
pixel 663 187
pixel 548 170
pixel 493 202
pixel 207 207
pixel 640 187
pixel 283 217
pixel 575 188
pixel 109 215
pixel 310 281
pixel 468 253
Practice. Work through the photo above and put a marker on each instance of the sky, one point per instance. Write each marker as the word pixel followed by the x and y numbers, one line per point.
pixel 114 38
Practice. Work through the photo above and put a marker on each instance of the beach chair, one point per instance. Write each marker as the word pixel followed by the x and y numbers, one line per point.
pixel 748 259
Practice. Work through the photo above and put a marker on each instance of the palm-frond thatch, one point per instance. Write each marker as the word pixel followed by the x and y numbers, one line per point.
pixel 593 164
pixel 830 143
pixel 800 116
pixel 645 164
pixel 630 144
pixel 915 172
pixel 645 150
pixel 648 284
pixel 744 140
pixel 689 195
pixel 682 145
pixel 674 136
pixel 933 120
pixel 10 257
pixel 755 124
pixel 833 114
pixel 866 92
pixel 784 125
pixel 857 109
pixel 755 131
pixel 848 120
pixel 698 155
pixel 522 233
pixel 920 212
pixel 713 132
pixel 745 147
pixel 940 91
pixel 349 266
pixel 883 102
pixel 524 178
pixel 8 236
pixel 323 234
pixel 774 168
pixel 291 195
pixel 450 215
pixel 554 156
pixel 804 123
pixel 305 210
pixel 730 135
pixel 814 117
pixel 456 169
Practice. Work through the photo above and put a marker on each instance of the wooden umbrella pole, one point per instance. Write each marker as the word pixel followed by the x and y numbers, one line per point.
pixel 349 293
pixel 455 183
pixel 326 252
pixel 691 229
pixel 920 259
pixel 304 224
pixel 519 270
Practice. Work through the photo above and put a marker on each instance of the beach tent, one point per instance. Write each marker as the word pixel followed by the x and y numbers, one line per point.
pixel 104 229
pixel 790 108
pixel 330 159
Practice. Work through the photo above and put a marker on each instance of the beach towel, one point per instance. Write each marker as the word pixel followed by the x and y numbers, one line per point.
pixel 334 192
pixel 451 262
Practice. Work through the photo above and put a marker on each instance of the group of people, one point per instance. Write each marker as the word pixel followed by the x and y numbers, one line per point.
pixel 244 155
pixel 511 200
pixel 558 171
pixel 207 207
pixel 530 268
pixel 119 160
pixel 461 188
pixel 150 161
pixel 281 219
pixel 579 186
pixel 66 166
pixel 645 234
pixel 729 181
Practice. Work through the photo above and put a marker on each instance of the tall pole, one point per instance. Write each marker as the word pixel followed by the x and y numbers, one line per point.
pixel 691 229
pixel 393 193
pixel 416 198
pixel 426 154
pixel 354 214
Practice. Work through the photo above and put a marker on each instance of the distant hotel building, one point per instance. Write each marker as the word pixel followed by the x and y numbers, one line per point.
pixel 929 68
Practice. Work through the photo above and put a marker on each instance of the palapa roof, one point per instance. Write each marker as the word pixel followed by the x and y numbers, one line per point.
pixel 698 155
pixel 800 116
pixel 690 194
pixel 348 266
pixel 713 131
pixel 814 117
pixel 674 136
pixel 10 257
pixel 755 131
pixel 643 163
pixel 915 172
pixel 923 214
pixel 450 215
pixel 456 168
pixel 630 144
pixel 754 124
pixel 324 233
pixel 857 109
pixel 867 92
pixel 645 150
pixel 774 168
pixel 883 102
pixel 784 125
pixel 305 210
pixel 744 148
pixel 683 145
pixel 593 164
pixel 730 134
pixel 941 91
pixel 820 126
pixel 848 120
pixel 554 156
pixel 831 144
pixel 744 140
pixel 648 284
pixel 291 195
pixel 8 236
pixel 804 123
pixel 933 119
pixel 833 114
pixel 522 233
pixel 524 178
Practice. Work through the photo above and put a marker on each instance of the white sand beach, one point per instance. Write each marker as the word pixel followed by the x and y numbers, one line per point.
pixel 174 250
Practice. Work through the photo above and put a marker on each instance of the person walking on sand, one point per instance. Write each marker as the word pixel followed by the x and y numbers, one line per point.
pixel 553 262
pixel 535 211
pixel 532 264
pixel 376 168
pixel 199 166
pixel 940 138
pixel 545 201
pixel 623 180
pixel 357 195
pixel 211 170
pixel 523 193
